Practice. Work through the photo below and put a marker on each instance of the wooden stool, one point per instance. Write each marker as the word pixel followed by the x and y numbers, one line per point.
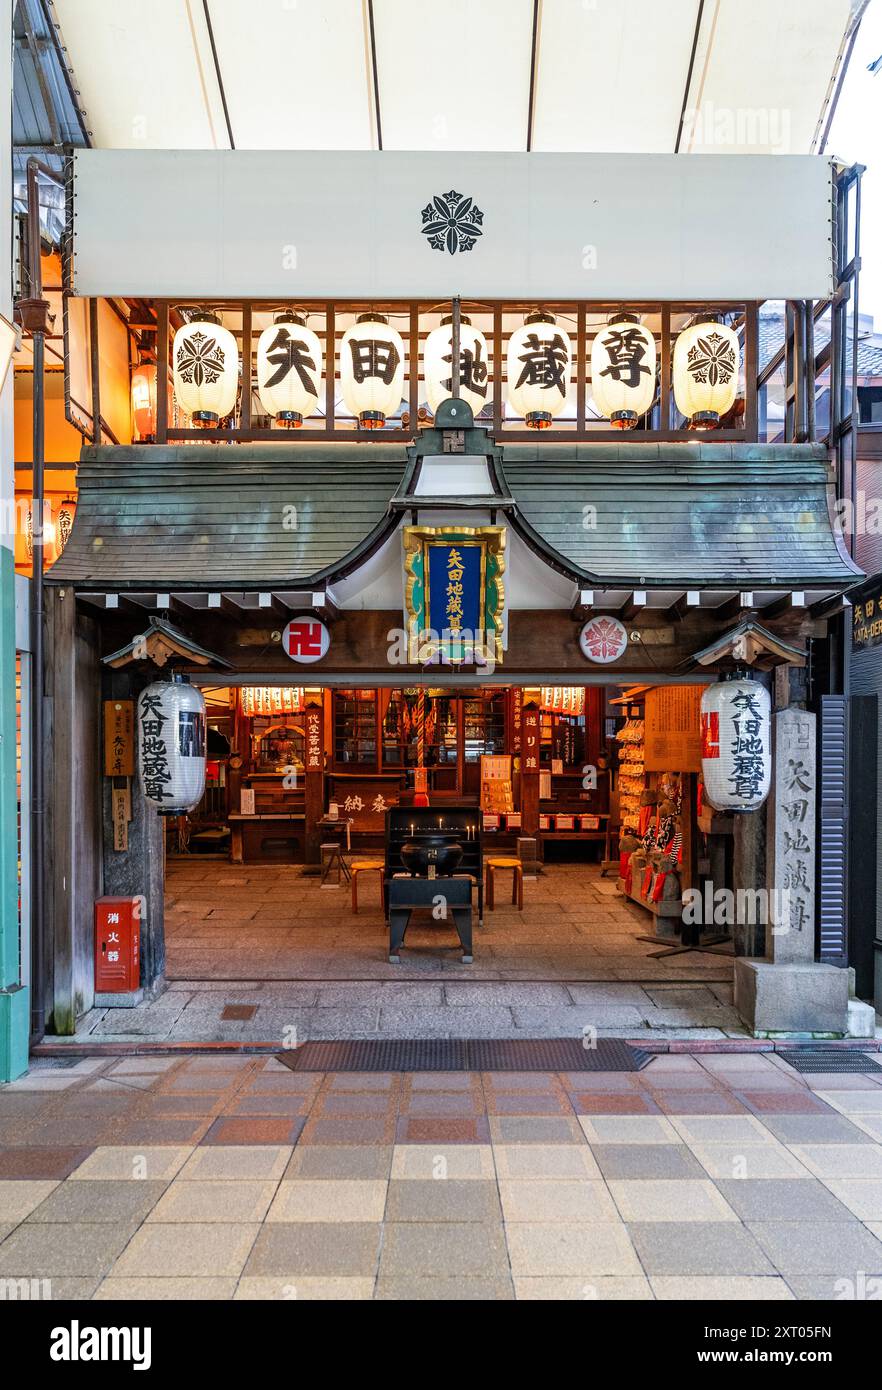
pixel 332 858
pixel 517 880
pixel 367 866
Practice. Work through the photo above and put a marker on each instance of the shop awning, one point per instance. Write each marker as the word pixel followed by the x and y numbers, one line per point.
pixel 696 515
pixel 637 75
pixel 210 515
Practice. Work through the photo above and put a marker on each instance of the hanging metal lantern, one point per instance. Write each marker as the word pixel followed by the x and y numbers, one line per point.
pixel 144 398
pixel 705 373
pixel 539 357
pixel 736 744
pixel 372 370
pixel 623 371
pixel 289 370
pixel 474 375
pixel 171 745
pixel 205 360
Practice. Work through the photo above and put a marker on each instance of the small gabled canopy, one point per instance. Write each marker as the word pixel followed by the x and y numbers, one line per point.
pixel 749 644
pixel 160 643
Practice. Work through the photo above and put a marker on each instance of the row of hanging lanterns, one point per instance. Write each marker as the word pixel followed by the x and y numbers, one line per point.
pixel 205 363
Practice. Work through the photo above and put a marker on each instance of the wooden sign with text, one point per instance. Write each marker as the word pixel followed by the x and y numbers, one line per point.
pixel 672 739
pixel 119 738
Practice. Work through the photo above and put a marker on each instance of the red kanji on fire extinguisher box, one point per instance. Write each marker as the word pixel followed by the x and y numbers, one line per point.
pixel 118 944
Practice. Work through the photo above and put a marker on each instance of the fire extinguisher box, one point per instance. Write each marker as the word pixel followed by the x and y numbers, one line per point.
pixel 118 951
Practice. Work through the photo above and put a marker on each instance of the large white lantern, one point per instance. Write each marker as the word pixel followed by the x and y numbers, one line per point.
pixel 289 370
pixel 372 370
pixel 736 744
pixel 474 375
pixel 538 369
pixel 706 360
pixel 623 371
pixel 171 745
pixel 205 363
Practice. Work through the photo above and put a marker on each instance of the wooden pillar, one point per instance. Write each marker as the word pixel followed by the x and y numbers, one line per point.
pixel 73 756
pixel 314 789
pixel 530 739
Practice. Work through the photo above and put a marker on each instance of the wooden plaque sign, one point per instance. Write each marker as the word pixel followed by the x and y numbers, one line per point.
pixel 672 740
pixel 119 738
pixel 314 750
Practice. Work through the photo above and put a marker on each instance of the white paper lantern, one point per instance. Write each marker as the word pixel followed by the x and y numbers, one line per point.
pixel 372 370
pixel 736 744
pixel 474 374
pixel 706 358
pixel 623 371
pixel 289 370
pixel 538 369
pixel 205 363
pixel 171 746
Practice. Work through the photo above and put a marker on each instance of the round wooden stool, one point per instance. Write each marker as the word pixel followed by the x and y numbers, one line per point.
pixel 367 866
pixel 517 880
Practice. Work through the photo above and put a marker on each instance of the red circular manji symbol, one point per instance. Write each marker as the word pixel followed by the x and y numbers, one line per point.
pixel 306 640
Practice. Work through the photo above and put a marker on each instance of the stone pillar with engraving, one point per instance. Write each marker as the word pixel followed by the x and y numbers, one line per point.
pixel 789 992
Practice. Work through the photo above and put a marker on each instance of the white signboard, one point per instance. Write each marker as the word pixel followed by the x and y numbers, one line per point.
pixel 294 225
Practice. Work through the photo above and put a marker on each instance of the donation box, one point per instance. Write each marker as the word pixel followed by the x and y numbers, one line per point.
pixel 117 944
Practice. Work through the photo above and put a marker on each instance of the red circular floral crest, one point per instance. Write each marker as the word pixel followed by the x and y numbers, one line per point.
pixel 603 640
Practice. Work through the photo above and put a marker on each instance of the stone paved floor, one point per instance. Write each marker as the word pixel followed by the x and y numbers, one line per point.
pixel 272 940
pixel 223 1176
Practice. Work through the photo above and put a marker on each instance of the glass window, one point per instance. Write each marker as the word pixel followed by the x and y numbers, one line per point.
pixel 355 727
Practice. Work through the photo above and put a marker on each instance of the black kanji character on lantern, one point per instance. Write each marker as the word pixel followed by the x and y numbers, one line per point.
pixel 152 704
pixel 374 357
pixel 472 370
pixel 626 349
pixel 544 363
pixel 289 354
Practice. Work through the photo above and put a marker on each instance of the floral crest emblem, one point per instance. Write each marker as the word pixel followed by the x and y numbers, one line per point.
pixel 711 360
pixel 200 359
pixel 452 222
pixel 603 640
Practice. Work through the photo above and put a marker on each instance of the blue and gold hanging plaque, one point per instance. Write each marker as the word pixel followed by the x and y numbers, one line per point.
pixel 454 593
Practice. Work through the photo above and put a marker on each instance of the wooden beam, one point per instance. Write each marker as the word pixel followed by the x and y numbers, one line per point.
pixel 739 603
pixel 785 604
pixel 635 604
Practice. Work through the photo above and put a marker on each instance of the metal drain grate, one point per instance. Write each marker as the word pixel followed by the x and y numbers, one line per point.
pixel 815 1059
pixel 468 1054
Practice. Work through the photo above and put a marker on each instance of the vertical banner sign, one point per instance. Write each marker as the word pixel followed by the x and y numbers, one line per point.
pixel 119 765
pixel 119 738
pixel 793 937
pixel 314 751
pixel 530 741
pixel 516 721
pixel 121 809
pixel 455 591
pixel 530 789
pixel 454 595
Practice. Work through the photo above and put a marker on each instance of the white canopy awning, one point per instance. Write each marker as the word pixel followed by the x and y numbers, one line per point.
pixel 642 76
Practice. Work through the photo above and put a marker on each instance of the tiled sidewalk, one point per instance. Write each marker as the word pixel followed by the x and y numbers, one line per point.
pixel 224 1176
